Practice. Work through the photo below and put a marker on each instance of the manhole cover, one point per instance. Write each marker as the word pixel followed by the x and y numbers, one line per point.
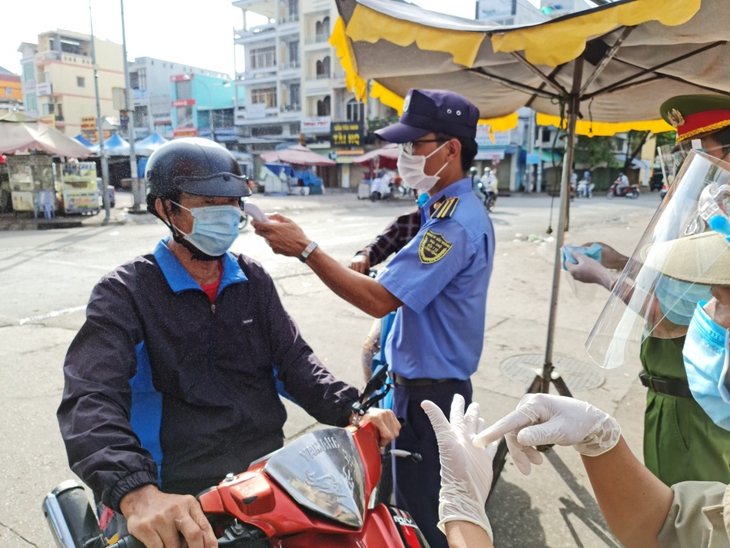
pixel 577 375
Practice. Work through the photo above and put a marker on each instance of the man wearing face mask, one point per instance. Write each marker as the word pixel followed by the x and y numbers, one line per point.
pixel 170 383
pixel 437 283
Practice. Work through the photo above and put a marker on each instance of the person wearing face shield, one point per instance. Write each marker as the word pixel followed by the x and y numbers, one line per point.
pixel 437 284
pixel 640 510
pixel 681 442
pixel 171 382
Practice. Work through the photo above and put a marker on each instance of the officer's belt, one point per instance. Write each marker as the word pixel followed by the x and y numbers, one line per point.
pixel 671 387
pixel 400 380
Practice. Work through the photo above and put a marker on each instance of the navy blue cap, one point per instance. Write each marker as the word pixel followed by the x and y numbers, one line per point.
pixel 433 110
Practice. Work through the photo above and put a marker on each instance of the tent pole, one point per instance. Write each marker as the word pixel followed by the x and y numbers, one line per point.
pixel 573 108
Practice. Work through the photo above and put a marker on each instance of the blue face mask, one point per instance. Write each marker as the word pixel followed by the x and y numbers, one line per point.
pixel 422 199
pixel 678 300
pixel 215 228
pixel 706 363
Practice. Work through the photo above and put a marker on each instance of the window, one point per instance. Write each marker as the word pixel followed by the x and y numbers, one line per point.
pixel 47 109
pixel 264 131
pixel 355 110
pixel 28 72
pixel 326 66
pixel 32 103
pixel 81 81
pixel 294 95
pixel 323 107
pixel 184 116
pixel 293 8
pixel 265 96
pixel 138 79
pixel 326 26
pixel 59 111
pixel 184 89
pixel 294 53
pixel 263 58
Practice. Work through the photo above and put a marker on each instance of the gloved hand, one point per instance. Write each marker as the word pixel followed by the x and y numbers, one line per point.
pixel 466 471
pixel 590 271
pixel 542 419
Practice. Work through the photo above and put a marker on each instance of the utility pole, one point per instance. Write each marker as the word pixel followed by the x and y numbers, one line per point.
pixel 102 151
pixel 138 192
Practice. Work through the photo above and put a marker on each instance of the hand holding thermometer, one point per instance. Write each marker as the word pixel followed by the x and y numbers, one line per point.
pixel 254 211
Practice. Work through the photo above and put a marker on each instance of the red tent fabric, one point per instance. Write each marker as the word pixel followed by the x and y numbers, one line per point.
pixel 388 156
pixel 297 155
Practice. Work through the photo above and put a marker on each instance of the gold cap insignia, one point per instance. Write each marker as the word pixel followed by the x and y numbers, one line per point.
pixel 675 118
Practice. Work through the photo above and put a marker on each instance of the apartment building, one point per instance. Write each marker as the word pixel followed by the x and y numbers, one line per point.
pixel 11 91
pixel 58 78
pixel 152 83
pixel 203 106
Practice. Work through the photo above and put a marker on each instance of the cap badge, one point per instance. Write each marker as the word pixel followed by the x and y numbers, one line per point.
pixel 675 118
pixel 406 103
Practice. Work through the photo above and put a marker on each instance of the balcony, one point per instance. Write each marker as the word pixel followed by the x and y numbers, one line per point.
pixel 291 18
pixel 46 56
pixel 292 65
pixel 254 34
pixel 295 107
pixel 318 39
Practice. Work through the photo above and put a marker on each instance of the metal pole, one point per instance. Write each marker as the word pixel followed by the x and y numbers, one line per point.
pixel 137 194
pixel 102 151
pixel 573 107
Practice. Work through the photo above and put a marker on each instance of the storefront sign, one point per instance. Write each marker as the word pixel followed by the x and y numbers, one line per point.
pixel 317 125
pixel 181 77
pixel 185 132
pixel 346 134
pixel 80 201
pixel 88 123
pixel 183 103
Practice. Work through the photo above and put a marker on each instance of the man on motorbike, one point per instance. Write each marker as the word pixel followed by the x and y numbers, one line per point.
pixel 489 180
pixel 622 184
pixel 170 383
pixel 437 283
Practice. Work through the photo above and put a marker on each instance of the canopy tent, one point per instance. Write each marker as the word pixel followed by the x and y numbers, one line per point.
pixel 297 155
pixel 19 137
pixel 387 156
pixel 84 141
pixel 611 66
pixel 149 144
pixel 16 116
pixel 113 146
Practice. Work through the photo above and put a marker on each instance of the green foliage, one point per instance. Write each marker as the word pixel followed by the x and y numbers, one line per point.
pixel 666 138
pixel 375 124
pixel 595 151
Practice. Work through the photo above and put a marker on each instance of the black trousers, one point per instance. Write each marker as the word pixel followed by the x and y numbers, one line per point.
pixel 417 485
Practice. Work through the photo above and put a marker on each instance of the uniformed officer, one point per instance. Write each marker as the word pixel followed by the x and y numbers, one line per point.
pixel 437 283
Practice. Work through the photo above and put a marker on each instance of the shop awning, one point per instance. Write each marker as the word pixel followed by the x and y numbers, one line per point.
pixel 20 137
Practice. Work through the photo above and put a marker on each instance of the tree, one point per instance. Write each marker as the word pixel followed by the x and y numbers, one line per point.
pixel 595 151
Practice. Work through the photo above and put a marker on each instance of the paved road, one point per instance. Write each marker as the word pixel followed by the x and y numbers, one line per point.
pixel 48 275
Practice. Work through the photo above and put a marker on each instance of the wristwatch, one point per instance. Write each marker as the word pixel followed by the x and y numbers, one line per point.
pixel 307 251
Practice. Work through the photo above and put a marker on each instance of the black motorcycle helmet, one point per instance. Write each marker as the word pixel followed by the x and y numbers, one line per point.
pixel 196 166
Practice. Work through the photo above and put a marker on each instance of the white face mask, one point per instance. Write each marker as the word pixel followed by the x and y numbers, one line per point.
pixel 411 169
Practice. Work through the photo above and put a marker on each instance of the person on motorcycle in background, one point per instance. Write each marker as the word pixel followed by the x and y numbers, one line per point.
pixel 639 509
pixel 490 182
pixel 437 284
pixel 623 183
pixel 171 382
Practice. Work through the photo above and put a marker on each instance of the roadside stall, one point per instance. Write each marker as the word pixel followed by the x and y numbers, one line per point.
pixel 34 178
pixel 300 158
pixel 80 189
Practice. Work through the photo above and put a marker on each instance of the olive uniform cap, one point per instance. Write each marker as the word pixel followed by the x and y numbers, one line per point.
pixel 693 115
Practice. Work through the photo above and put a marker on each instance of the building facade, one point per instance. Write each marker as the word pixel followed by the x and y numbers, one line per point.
pixel 152 86
pixel 203 106
pixel 58 78
pixel 11 91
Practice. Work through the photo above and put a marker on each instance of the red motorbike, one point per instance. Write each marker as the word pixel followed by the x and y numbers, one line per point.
pixel 631 191
pixel 318 491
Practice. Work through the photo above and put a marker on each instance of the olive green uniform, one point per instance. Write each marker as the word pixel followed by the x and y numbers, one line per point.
pixel 681 443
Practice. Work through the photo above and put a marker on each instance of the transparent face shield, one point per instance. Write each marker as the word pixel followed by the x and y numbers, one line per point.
pixel 654 296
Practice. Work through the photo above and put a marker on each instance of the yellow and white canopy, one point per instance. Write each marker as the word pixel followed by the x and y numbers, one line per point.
pixel 636 54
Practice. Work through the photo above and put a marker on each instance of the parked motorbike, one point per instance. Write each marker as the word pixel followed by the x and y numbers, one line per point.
pixel 631 191
pixel 320 490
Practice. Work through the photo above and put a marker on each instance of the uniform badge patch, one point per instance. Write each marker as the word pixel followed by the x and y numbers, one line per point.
pixel 433 247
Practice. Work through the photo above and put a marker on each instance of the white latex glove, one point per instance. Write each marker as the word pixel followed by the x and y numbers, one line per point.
pixel 466 471
pixel 542 419
pixel 590 271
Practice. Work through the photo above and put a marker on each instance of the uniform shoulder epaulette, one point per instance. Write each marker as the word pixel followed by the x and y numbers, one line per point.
pixel 446 209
